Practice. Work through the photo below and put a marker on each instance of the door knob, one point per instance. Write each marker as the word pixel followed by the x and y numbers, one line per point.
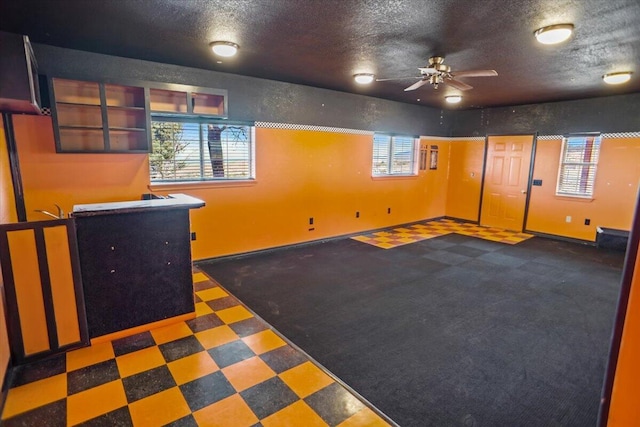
pixel 523 191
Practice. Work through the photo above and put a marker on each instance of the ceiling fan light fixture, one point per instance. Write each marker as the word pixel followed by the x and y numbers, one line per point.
pixel 453 99
pixel 224 48
pixel 363 78
pixel 553 34
pixel 617 78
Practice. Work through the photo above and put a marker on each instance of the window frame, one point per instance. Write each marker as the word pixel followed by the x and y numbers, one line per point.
pixel 414 160
pixel 200 121
pixel 583 181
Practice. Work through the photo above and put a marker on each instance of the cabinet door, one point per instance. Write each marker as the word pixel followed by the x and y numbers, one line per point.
pixel 41 274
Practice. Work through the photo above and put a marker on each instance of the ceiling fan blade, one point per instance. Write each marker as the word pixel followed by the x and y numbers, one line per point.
pixel 398 78
pixel 427 70
pixel 457 84
pixel 475 73
pixel 417 85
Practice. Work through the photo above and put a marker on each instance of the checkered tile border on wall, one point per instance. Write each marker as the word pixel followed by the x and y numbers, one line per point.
pixel 290 126
pixel 604 135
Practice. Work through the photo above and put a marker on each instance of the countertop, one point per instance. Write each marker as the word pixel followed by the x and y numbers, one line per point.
pixel 173 201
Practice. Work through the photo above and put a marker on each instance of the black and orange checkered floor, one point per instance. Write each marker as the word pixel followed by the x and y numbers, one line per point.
pixel 223 368
pixel 394 237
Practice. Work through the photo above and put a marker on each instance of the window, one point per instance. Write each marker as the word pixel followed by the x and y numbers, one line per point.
pixel 578 164
pixel 394 155
pixel 200 150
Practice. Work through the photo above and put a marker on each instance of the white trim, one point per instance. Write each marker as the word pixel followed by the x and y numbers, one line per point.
pixel 453 138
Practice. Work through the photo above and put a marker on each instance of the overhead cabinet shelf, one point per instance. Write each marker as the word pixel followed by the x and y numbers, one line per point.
pixel 114 118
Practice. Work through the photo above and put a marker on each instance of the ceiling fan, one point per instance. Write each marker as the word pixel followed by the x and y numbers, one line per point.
pixel 438 73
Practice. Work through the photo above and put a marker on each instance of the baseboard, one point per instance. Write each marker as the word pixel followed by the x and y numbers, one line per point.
pixel 311 242
pixel 562 238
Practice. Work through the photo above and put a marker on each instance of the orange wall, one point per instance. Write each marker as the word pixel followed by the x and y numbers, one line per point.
pixel 7 215
pixel 304 174
pixel 67 179
pixel 615 189
pixel 300 174
pixel 465 178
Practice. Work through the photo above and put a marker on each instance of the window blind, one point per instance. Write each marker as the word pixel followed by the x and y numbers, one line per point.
pixel 579 161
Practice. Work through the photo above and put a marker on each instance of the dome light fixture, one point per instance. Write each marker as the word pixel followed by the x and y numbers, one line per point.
pixel 553 34
pixel 453 99
pixel 617 78
pixel 363 78
pixel 224 48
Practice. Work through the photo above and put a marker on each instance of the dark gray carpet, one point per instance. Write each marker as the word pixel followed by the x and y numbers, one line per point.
pixel 452 331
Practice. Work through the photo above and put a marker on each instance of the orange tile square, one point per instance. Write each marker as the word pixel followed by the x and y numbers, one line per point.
pixel 305 379
pixel 95 401
pixel 212 293
pixel 215 337
pixel 365 417
pixel 230 412
pixel 263 341
pixel 248 373
pixel 159 409
pixel 192 367
pixel 139 361
pixel 296 414
pixel 87 356
pixel 38 393
pixel 234 314
pixel 199 277
pixel 171 333
pixel 202 308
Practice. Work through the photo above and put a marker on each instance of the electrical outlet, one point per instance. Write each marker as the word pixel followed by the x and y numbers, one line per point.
pixel 193 235
pixel 311 221
pixel 388 210
pixel 357 214
pixel 587 221
pixel 568 219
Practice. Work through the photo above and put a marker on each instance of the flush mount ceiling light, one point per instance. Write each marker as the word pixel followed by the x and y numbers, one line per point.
pixel 224 48
pixel 453 99
pixel 553 34
pixel 617 78
pixel 363 78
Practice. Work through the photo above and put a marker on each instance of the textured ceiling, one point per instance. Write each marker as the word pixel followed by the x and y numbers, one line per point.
pixel 322 43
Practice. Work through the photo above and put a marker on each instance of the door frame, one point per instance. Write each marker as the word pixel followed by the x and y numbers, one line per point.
pixel 527 201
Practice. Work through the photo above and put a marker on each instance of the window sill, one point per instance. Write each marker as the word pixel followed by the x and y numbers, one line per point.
pixel 387 177
pixel 582 199
pixel 197 185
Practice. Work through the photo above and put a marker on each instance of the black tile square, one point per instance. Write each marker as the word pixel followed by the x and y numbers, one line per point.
pixel 446 257
pixel 133 343
pixel 187 421
pixel 334 404
pixel 247 327
pixel 465 250
pixel 92 376
pixel 205 284
pixel 222 303
pixel 502 259
pixel 283 358
pixel 231 353
pixel 51 415
pixel 24 374
pixel 206 390
pixel 120 417
pixel 149 382
pixel 178 349
pixel 269 397
pixel 202 323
